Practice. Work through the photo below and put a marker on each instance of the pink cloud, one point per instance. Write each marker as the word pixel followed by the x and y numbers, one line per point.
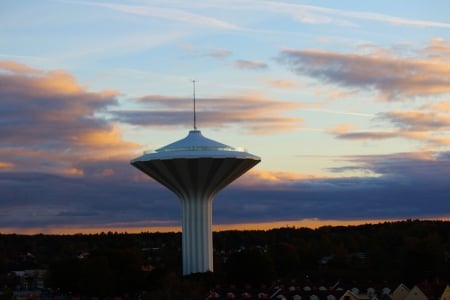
pixel 254 113
pixel 429 124
pixel 393 77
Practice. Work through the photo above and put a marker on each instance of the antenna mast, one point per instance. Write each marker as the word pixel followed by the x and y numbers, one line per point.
pixel 195 118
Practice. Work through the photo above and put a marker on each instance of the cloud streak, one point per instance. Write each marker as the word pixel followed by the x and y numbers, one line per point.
pixel 255 113
pixel 250 65
pixel 430 124
pixel 394 78
pixel 167 13
pixel 322 15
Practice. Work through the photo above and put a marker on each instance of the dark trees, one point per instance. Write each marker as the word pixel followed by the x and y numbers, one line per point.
pixel 408 252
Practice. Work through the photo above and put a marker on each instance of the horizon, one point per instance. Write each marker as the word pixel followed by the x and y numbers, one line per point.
pixel 346 103
pixel 299 224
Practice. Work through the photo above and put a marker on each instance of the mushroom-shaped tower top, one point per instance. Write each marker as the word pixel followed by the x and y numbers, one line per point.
pixel 195 165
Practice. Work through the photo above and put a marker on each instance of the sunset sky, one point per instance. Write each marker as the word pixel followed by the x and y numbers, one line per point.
pixel 346 102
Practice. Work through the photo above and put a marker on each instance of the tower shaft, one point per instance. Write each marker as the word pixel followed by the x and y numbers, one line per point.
pixel 197 235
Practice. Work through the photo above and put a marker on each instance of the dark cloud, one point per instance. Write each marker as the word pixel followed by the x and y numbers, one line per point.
pixel 407 185
pixel 367 135
pixel 393 77
pixel 53 201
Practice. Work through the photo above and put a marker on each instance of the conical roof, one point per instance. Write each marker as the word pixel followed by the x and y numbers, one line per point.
pixel 195 141
pixel 195 145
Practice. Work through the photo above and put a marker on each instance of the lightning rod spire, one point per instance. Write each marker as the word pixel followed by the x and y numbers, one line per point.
pixel 195 118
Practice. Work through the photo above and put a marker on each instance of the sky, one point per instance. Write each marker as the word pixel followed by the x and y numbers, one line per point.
pixel 346 102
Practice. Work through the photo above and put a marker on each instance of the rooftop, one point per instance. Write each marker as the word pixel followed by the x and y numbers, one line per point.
pixel 195 145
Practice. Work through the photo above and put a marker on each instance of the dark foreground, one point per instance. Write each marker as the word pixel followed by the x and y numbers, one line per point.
pixel 148 265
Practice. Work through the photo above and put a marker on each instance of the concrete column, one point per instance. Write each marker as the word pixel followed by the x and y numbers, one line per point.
pixel 197 235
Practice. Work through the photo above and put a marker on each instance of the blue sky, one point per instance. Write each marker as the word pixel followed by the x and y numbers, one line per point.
pixel 347 103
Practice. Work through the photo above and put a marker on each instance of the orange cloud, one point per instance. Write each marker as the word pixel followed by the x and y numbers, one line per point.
pixel 73 171
pixel 16 67
pixel 442 106
pixel 6 165
pixel 342 129
pixel 282 83
pixel 438 49
pixel 419 120
pixel 50 122
pixel 258 177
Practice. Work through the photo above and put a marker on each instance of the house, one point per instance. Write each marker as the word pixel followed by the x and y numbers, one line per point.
pixel 400 292
pixel 348 295
pixel 416 294
pixel 446 293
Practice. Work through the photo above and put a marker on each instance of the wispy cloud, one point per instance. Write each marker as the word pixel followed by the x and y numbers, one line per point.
pixel 250 64
pixel 340 112
pixel 282 83
pixel 324 15
pixel 218 53
pixel 166 13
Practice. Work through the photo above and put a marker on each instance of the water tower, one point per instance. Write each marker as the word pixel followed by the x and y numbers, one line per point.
pixel 196 168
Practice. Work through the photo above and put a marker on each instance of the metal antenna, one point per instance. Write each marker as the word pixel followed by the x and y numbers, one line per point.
pixel 195 118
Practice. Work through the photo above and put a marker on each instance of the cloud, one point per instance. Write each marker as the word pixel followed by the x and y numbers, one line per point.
pixel 410 169
pixel 282 83
pixel 407 185
pixel 48 121
pixel 367 135
pixel 394 78
pixel 219 53
pixel 322 15
pixel 63 163
pixel 167 13
pixel 44 202
pixel 270 179
pixel 255 113
pixel 430 124
pixel 437 48
pixel 250 65
pixel 418 120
